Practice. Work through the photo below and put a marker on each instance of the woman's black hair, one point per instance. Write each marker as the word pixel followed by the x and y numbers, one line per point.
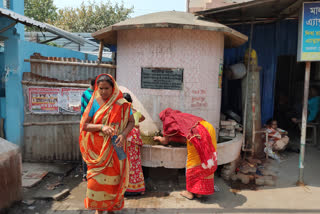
pixel 127 97
pixel 93 81
pixel 105 78
pixel 269 122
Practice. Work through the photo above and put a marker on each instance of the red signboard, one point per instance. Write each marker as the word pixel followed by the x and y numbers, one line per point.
pixel 55 100
pixel 44 100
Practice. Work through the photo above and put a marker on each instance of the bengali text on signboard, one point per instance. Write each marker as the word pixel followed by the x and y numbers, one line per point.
pixel 44 100
pixel 309 32
pixel 55 100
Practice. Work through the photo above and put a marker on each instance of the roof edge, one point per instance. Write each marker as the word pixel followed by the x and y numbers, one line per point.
pixel 229 32
pixel 232 7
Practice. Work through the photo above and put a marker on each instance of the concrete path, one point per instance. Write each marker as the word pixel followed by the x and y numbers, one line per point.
pixel 285 197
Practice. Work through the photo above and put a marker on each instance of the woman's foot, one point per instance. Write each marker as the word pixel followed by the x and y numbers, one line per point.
pixel 198 196
pixel 187 195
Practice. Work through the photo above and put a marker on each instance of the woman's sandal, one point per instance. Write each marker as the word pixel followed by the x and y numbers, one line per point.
pixel 198 196
pixel 187 195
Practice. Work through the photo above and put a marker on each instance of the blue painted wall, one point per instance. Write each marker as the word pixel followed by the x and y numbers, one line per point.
pixel 12 67
pixel 18 7
pixel 14 107
pixel 270 41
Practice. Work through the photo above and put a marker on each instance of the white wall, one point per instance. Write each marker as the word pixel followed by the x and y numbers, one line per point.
pixel 198 52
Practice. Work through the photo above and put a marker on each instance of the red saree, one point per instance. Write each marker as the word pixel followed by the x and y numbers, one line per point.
pixel 201 146
pixel 107 175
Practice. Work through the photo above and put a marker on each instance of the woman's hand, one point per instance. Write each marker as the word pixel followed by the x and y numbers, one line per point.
pixel 162 140
pixel 107 130
pixel 120 140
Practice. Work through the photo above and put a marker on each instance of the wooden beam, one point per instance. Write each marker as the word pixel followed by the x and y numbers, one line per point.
pixel 70 63
pixel 56 84
pixel 52 123
pixel 100 51
pixel 8 27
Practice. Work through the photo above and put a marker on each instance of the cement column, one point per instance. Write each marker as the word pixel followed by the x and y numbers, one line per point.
pixel 13 89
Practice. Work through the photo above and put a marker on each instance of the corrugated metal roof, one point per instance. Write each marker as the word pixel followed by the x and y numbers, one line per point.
pixel 90 48
pixel 68 69
pixel 170 19
pixel 254 11
pixel 30 22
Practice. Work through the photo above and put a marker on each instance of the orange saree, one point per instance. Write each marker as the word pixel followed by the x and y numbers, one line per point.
pixel 107 175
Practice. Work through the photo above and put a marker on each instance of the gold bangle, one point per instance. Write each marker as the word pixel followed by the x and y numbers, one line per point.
pixel 102 127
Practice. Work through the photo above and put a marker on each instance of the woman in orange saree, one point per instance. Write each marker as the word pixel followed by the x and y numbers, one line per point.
pixel 200 137
pixel 107 114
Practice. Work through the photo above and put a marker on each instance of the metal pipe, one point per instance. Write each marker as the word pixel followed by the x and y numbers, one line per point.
pixel 188 4
pixel 304 122
pixel 246 97
pixel 253 115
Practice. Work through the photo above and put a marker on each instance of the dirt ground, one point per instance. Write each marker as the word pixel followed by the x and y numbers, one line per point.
pixel 163 187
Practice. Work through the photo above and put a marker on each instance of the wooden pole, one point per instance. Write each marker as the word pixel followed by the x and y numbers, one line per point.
pixel 304 122
pixel 100 51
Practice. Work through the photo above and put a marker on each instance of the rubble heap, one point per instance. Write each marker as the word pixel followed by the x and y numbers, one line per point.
pixel 250 171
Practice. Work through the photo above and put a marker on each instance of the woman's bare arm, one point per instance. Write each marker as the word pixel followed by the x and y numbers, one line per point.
pixel 178 139
pixel 122 136
pixel 129 126
pixel 142 118
pixel 90 127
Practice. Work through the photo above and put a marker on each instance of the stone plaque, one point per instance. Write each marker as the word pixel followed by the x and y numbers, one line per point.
pixel 162 78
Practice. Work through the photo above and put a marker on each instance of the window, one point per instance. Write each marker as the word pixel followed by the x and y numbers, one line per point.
pixel 1 46
pixel 6 4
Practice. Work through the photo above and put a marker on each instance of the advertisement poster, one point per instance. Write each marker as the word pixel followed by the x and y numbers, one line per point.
pixel 309 32
pixel 70 100
pixel 43 100
pixel 55 100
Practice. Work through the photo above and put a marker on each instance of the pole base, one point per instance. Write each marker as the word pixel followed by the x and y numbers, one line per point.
pixel 300 184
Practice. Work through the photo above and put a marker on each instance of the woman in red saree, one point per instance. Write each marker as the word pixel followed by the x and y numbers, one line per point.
pixel 201 146
pixel 107 114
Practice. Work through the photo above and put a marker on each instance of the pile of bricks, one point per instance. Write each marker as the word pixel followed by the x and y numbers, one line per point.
pixel 228 128
pixel 249 171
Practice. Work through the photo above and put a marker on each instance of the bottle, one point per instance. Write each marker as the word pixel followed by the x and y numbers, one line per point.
pixel 119 150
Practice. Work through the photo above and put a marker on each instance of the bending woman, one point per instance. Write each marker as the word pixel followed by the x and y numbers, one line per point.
pixel 106 115
pixel 201 142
